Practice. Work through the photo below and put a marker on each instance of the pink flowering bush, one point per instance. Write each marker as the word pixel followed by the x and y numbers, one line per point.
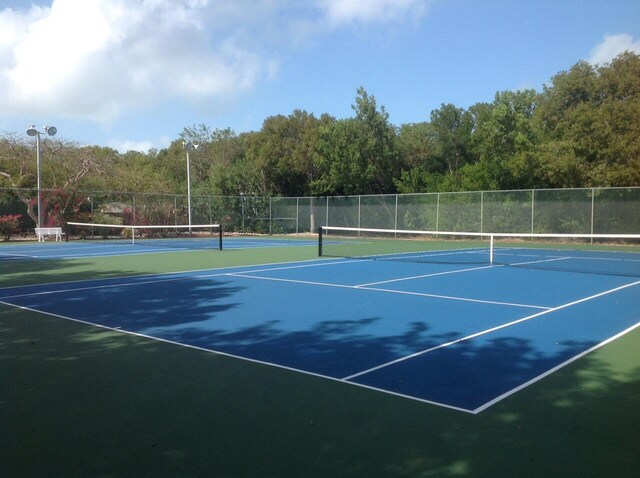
pixel 9 224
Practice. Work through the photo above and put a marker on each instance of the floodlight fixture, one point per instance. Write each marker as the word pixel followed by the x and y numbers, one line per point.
pixel 32 131
pixel 189 146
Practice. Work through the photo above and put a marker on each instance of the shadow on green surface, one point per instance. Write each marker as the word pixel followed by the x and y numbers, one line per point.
pixel 40 271
pixel 77 400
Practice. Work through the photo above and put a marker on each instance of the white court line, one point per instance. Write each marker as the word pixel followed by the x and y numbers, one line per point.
pixel 597 257
pixel 96 287
pixel 456 271
pixel 238 357
pixel 552 370
pixel 391 291
pixel 303 266
pixel 487 331
pixel 346 379
pixel 463 299
pixel 11 256
pixel 409 255
pixel 223 271
pixel 540 261
pixel 65 246
pixel 80 251
pixel 136 252
pixel 247 275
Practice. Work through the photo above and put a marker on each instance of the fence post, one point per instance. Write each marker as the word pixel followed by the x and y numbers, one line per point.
pixel 270 218
pixel 395 221
pixel 326 222
pixel 593 208
pixel 437 212
pixel 481 211
pixel 533 206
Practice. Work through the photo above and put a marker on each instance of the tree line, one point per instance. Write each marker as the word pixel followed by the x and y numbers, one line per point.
pixel 581 130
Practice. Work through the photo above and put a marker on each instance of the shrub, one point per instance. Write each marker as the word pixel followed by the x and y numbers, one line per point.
pixel 9 224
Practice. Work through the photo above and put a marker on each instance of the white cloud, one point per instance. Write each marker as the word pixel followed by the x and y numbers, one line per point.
pixel 348 11
pixel 98 59
pixel 612 46
pixel 103 59
pixel 124 146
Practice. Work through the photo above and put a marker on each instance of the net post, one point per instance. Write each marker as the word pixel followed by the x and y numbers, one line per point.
pixel 133 234
pixel 66 232
pixel 491 249
pixel 220 237
pixel 320 241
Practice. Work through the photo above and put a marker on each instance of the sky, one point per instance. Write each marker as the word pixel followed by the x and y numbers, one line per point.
pixel 132 74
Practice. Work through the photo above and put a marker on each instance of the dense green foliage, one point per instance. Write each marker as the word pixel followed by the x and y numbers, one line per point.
pixel 582 130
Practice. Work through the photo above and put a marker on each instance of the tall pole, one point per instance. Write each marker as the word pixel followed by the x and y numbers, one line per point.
pixel 189 146
pixel 32 131
pixel 189 189
pixel 39 188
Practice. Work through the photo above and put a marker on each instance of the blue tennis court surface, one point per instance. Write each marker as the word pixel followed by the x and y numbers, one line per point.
pixel 456 335
pixel 98 248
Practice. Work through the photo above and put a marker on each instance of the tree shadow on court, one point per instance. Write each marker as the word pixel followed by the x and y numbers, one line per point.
pixel 463 374
pixel 32 271
pixel 42 271
pixel 137 304
pixel 83 401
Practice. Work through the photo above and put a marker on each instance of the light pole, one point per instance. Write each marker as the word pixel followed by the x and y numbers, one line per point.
pixel 189 146
pixel 32 131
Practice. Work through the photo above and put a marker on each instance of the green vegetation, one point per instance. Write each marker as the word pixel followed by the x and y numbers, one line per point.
pixel 582 130
pixel 78 400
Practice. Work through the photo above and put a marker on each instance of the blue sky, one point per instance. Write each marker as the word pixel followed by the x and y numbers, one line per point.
pixel 132 74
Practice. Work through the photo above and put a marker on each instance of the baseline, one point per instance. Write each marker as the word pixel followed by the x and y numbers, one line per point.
pixel 231 355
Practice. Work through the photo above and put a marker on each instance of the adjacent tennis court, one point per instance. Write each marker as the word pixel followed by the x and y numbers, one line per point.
pixel 381 357
pixel 458 333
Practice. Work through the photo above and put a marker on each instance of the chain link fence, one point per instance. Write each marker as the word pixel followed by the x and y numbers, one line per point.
pixel 561 211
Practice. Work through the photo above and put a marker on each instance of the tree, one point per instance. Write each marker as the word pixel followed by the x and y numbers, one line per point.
pixel 591 117
pixel 284 152
pixel 452 129
pixel 66 166
pixel 358 155
pixel 416 146
pixel 231 172
pixel 505 141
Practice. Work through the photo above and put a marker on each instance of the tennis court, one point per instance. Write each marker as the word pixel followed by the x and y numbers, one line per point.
pixel 106 248
pixel 377 358
pixel 460 334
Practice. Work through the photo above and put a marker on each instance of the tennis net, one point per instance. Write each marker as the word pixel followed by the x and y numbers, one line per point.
pixel 195 236
pixel 614 254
